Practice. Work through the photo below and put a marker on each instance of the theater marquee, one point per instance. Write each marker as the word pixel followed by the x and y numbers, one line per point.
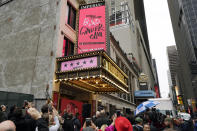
pixel 93 71
pixel 79 64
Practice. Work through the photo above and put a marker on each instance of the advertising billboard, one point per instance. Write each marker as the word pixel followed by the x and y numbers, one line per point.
pixel 92 28
pixel 79 64
pixel 157 91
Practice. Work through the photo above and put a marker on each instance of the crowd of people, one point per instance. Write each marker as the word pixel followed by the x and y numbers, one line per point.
pixel 28 118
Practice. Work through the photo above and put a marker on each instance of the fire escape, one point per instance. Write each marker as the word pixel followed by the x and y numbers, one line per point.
pixel 120 15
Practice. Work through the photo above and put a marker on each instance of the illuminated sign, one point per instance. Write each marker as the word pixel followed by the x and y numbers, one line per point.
pixel 144 93
pixel 112 69
pixel 143 77
pixel 79 64
pixel 180 101
pixel 92 28
pixel 177 90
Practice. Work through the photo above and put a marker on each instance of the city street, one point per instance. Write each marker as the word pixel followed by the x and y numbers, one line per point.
pixel 98 65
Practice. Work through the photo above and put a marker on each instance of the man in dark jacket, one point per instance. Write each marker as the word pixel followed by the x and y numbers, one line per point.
pixel 3 112
pixel 170 125
pixel 139 124
pixel 101 120
pixel 40 122
pixel 68 123
pixel 76 122
pixel 11 113
pixel 96 116
pixel 19 120
pixel 187 125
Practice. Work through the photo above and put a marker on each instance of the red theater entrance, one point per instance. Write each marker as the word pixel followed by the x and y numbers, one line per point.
pixel 72 106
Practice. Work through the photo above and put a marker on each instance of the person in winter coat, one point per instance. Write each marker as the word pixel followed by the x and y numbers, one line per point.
pixel 76 122
pixel 139 125
pixel 19 121
pixel 54 123
pixel 2 117
pixel 12 109
pixel 40 122
pixel 96 116
pixel 170 125
pixel 89 127
pixel 195 125
pixel 3 113
pixel 121 124
pixel 187 125
pixel 101 120
pixel 68 123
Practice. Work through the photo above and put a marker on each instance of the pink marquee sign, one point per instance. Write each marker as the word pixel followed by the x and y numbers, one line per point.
pixel 92 28
pixel 79 64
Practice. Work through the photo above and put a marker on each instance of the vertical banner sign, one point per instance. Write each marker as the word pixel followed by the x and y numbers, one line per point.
pixel 157 91
pixel 92 28
pixel 55 99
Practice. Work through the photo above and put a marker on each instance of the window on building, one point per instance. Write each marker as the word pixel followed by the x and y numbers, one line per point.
pixel 125 12
pixel 119 95
pixel 124 96
pixel 120 14
pixel 128 97
pixel 113 6
pixel 113 11
pixel 71 16
pixel 117 61
pixel 125 70
pixel 132 86
pixel 116 18
pixel 180 18
pixel 68 47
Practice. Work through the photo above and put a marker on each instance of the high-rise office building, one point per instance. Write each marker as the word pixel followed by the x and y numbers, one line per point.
pixel 156 86
pixel 128 26
pixel 184 21
pixel 172 62
pixel 172 59
pixel 141 17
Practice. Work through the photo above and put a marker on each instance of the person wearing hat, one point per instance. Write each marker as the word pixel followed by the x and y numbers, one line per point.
pixel 120 124
pixel 169 124
pixel 139 124
pixel 123 124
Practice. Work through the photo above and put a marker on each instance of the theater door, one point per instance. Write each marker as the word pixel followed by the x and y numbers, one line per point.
pixel 71 106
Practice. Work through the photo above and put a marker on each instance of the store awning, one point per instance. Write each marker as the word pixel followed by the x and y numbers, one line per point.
pixel 93 71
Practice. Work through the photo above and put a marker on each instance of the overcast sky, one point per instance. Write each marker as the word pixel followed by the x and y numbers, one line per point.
pixel 160 36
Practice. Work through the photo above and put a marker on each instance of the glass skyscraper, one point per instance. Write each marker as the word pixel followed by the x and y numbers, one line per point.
pixel 190 11
pixel 184 21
